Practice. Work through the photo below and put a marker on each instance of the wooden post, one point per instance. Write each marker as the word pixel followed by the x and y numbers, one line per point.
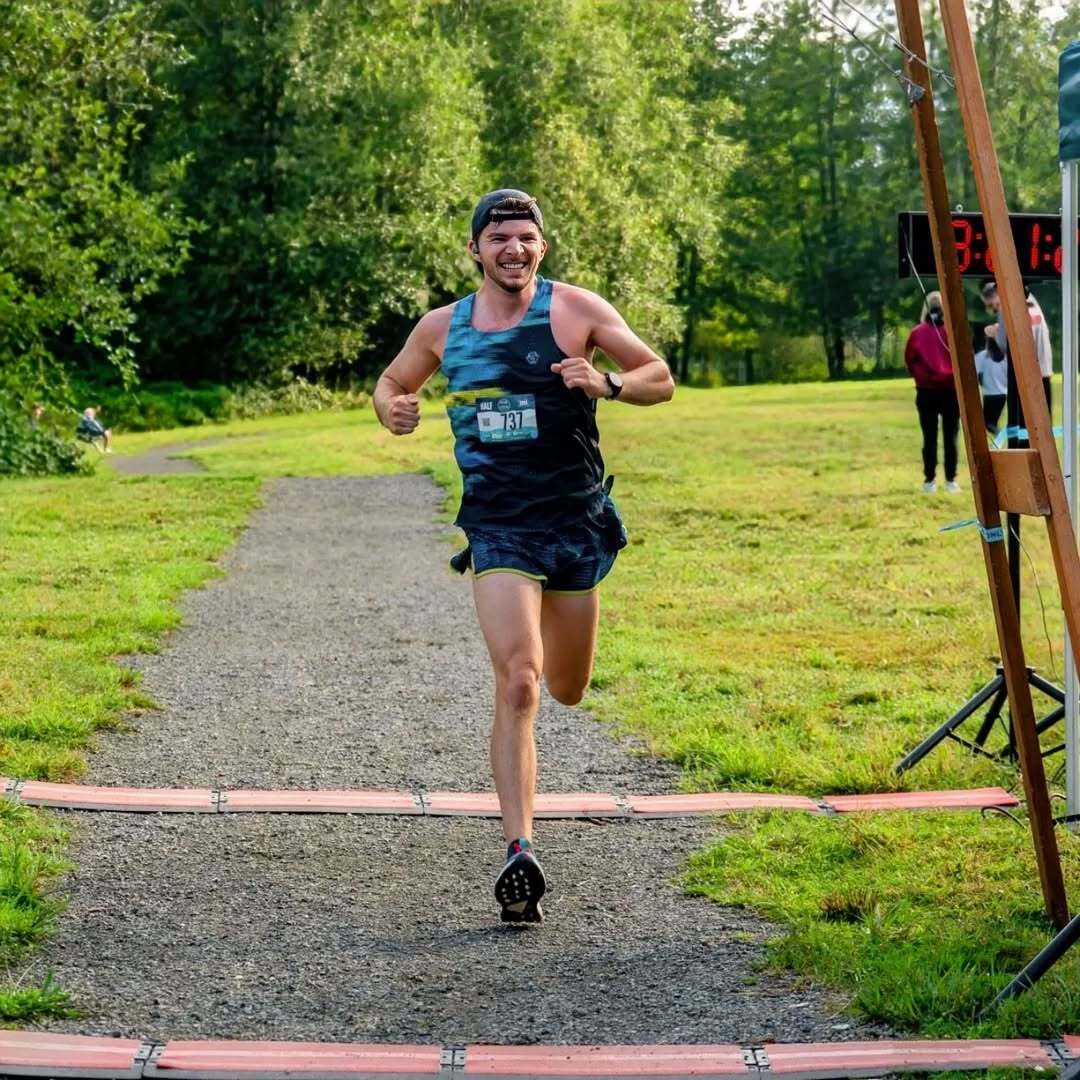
pixel 984 162
pixel 984 485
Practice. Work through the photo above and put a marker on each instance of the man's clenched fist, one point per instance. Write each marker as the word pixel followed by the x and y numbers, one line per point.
pixel 578 374
pixel 403 414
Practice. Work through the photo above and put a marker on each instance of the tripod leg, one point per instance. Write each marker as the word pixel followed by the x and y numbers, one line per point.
pixel 1050 719
pixel 991 716
pixel 950 725
pixel 1040 965
pixel 1048 688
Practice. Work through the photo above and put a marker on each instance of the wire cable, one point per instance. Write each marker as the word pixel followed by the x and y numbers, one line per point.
pixel 1042 606
pixel 913 90
pixel 926 296
pixel 914 57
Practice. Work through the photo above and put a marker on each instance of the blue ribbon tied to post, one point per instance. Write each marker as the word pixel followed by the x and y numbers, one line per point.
pixel 991 536
pixel 1003 436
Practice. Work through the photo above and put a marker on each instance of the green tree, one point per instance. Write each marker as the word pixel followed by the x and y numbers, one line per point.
pixel 605 112
pixel 333 151
pixel 813 249
pixel 80 242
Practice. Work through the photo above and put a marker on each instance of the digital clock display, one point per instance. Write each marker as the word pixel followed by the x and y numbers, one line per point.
pixel 1037 238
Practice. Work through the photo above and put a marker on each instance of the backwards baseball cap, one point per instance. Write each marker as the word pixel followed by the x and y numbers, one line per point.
pixel 506 204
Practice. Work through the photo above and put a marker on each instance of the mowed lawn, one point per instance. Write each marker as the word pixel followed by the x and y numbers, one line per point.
pixel 787 618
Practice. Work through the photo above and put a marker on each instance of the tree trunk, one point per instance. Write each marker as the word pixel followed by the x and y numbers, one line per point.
pixel 692 263
pixel 833 336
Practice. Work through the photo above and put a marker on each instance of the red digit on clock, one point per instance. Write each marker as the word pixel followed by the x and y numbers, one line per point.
pixel 1036 236
pixel 963 242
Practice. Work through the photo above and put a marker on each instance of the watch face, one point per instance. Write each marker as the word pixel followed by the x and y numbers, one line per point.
pixel 616 379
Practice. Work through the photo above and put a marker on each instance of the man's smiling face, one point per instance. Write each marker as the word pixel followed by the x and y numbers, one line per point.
pixel 510 253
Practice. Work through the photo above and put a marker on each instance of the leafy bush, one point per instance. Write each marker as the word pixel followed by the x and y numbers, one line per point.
pixel 26 450
pixel 154 406
pixel 159 405
pixel 294 397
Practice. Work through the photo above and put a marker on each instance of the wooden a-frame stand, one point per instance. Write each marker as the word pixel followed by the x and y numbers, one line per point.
pixel 1016 481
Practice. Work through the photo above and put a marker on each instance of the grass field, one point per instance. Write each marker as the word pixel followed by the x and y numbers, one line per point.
pixel 787 617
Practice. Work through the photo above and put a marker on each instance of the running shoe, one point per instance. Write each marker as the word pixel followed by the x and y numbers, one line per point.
pixel 521 884
pixel 929 487
pixel 952 487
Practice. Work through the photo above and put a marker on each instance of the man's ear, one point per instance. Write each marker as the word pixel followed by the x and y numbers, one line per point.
pixel 474 250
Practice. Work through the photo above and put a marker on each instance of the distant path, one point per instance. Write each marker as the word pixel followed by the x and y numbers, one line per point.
pixel 339 652
pixel 161 461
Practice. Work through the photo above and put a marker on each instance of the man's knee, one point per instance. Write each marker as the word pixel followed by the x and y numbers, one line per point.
pixel 519 683
pixel 566 691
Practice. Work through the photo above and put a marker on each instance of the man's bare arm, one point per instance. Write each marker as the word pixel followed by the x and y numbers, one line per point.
pixel 646 377
pixel 395 399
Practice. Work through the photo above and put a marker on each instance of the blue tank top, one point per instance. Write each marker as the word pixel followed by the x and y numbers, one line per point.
pixel 528 447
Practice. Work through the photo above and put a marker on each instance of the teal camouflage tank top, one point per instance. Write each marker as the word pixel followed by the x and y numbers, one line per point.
pixel 528 447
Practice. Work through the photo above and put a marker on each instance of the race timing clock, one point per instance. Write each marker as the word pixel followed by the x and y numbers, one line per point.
pixel 1037 238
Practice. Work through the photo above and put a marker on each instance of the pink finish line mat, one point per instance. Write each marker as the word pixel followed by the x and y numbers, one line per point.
pixel 825 1060
pixel 264 1059
pixel 605 1061
pixel 975 799
pixel 477 804
pixel 32 1053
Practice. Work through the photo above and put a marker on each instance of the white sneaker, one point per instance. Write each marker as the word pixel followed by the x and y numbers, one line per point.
pixel 929 487
pixel 952 487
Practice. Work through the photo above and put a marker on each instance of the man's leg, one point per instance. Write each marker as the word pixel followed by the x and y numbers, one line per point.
pixel 508 607
pixel 568 626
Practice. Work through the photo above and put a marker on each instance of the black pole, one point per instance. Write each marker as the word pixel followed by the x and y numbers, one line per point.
pixel 1012 521
pixel 1040 965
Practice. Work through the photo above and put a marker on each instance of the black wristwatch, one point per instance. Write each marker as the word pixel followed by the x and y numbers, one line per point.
pixel 614 382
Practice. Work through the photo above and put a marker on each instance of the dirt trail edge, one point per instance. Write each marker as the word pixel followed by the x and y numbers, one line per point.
pixel 339 651
pixel 163 460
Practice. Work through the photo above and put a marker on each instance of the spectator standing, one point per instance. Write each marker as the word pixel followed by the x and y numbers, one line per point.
pixel 993 371
pixel 930 363
pixel 1040 333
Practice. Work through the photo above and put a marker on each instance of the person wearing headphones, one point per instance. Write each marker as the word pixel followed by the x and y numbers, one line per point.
pixel 541 527
pixel 929 361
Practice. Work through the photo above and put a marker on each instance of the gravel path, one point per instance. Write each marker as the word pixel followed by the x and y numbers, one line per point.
pixel 162 461
pixel 339 651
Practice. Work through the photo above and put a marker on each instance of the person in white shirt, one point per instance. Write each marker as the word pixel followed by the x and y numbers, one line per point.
pixel 1040 333
pixel 993 371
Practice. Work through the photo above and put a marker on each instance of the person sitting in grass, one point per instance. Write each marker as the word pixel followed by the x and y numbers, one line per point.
pixel 91 429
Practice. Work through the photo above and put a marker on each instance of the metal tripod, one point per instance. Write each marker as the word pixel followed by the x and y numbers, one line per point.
pixel 995 691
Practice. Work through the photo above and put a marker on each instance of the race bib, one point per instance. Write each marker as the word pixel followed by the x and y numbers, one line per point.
pixel 507 419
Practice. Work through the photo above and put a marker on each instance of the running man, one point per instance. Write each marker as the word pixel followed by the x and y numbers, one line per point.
pixel 541 527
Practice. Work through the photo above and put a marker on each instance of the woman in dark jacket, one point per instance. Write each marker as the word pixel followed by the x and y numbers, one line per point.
pixel 928 359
